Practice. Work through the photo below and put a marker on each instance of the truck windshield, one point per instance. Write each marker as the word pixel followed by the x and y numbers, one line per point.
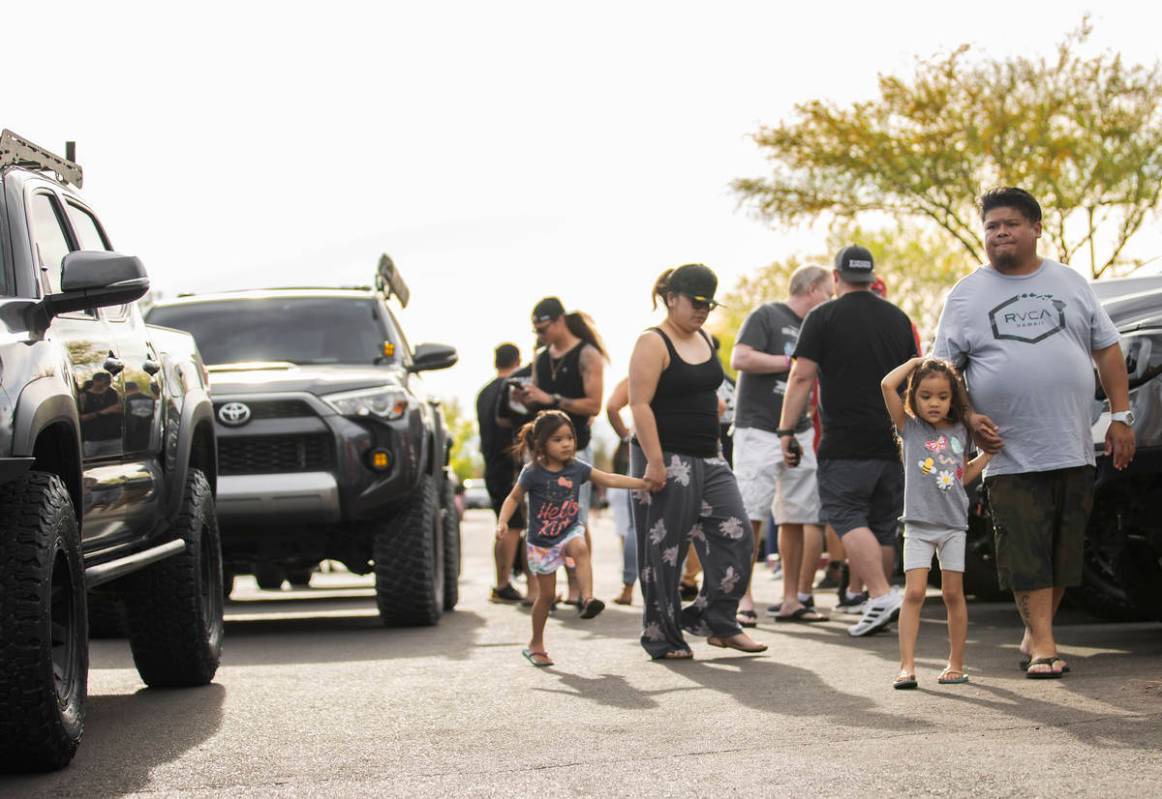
pixel 304 330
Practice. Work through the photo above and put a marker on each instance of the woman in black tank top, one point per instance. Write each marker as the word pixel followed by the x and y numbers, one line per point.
pixel 674 377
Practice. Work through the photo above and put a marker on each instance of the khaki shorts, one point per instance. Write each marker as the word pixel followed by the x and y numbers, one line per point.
pixel 1039 521
pixel 768 485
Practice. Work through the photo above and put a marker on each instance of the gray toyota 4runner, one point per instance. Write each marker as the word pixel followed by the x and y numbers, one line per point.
pixel 107 466
pixel 329 448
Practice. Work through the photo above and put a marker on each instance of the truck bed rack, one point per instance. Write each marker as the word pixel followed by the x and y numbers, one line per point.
pixel 17 151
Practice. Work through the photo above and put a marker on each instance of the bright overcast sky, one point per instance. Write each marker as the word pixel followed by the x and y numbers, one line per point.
pixel 498 151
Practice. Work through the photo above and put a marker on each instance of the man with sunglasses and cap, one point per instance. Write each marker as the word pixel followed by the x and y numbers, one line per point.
pixel 849 345
pixel 568 375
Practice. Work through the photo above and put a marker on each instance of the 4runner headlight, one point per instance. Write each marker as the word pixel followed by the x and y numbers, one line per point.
pixel 385 403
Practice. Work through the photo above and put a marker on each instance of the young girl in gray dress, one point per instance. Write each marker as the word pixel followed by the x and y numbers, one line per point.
pixel 931 423
pixel 553 481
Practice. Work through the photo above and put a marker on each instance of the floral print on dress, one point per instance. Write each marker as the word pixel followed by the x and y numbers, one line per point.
pixel 670 555
pixel 643 497
pixel 678 471
pixel 653 632
pixel 731 528
pixel 707 510
pixel 730 579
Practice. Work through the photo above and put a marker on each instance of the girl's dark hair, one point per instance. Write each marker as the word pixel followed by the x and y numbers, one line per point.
pixel 958 408
pixel 534 436
pixel 661 288
pixel 580 324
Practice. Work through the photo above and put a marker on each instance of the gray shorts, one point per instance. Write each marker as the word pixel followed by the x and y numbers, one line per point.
pixel 922 541
pixel 862 493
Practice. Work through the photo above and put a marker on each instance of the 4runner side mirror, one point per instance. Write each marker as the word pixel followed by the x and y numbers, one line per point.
pixel 97 279
pixel 428 357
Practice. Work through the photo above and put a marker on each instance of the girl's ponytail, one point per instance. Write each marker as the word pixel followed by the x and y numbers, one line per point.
pixel 523 443
pixel 581 325
pixel 661 286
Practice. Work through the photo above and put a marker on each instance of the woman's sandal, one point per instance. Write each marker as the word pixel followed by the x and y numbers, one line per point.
pixel 944 679
pixel 538 659
pixel 1045 675
pixel 677 654
pixel 747 618
pixel 725 643
pixel 904 681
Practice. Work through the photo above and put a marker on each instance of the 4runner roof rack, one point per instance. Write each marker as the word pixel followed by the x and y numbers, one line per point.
pixel 388 280
pixel 18 151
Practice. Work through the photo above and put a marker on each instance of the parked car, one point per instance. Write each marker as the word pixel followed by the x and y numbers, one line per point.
pixel 107 467
pixel 476 495
pixel 329 446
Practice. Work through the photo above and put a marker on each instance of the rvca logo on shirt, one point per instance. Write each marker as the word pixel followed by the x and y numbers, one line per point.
pixel 1028 317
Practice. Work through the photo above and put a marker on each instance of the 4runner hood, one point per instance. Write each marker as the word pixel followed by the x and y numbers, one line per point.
pixel 267 377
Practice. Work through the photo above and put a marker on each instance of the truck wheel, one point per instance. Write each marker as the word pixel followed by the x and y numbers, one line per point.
pixel 106 616
pixel 44 655
pixel 175 606
pixel 408 551
pixel 269 576
pixel 451 525
pixel 300 578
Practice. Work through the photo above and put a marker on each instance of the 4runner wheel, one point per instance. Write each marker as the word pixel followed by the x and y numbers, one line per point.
pixel 44 656
pixel 408 551
pixel 175 606
pixel 268 576
pixel 451 525
pixel 300 578
pixel 106 616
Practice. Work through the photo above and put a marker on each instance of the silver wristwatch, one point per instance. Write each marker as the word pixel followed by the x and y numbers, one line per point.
pixel 1125 417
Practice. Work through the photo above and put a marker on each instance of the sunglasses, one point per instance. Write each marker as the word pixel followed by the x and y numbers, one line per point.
pixel 540 329
pixel 701 303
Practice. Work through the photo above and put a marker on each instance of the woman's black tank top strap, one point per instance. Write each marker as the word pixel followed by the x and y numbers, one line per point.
pixel 563 376
pixel 685 404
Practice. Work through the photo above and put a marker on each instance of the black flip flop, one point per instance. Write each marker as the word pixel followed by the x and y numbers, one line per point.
pixel 1023 665
pixel 1043 675
pixel 904 682
pixel 591 608
pixel 801 615
pixel 746 618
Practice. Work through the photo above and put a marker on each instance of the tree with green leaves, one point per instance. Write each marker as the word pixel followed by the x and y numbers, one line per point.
pixel 466 460
pixel 1082 133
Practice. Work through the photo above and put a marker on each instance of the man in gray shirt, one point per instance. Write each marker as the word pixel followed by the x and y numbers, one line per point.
pixel 1026 331
pixel 762 357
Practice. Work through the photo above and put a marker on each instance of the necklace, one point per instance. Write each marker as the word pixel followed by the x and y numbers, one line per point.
pixel 555 365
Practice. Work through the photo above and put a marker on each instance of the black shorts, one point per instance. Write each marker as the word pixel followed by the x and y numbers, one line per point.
pixel 1039 522
pixel 862 493
pixel 499 486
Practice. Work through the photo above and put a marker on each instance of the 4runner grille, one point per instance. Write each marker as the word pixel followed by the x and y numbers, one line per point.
pixel 275 454
pixel 275 409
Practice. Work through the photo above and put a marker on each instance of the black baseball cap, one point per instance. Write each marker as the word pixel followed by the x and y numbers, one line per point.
pixel 855 264
pixel 696 281
pixel 548 309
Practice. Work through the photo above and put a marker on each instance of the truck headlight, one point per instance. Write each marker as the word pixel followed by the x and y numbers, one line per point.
pixel 385 403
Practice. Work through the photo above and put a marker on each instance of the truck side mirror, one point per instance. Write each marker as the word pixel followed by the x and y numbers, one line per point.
pixel 428 357
pixel 97 279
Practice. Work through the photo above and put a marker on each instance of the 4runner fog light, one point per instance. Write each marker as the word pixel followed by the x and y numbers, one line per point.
pixel 379 460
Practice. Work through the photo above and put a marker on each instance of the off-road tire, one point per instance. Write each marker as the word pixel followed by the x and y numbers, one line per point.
pixel 175 606
pixel 42 602
pixel 300 578
pixel 408 551
pixel 269 576
pixel 106 616
pixel 451 525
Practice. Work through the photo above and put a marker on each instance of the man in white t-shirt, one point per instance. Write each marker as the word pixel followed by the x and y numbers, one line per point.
pixel 1027 332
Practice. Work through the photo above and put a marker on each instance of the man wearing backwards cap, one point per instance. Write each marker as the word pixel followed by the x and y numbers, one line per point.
pixel 850 344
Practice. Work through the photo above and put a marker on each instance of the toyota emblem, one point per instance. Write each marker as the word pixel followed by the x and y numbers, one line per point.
pixel 234 414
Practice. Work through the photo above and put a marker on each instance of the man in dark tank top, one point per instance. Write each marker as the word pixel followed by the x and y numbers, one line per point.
pixel 568 376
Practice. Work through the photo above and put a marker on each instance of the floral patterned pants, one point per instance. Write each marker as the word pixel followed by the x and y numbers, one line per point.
pixel 700 503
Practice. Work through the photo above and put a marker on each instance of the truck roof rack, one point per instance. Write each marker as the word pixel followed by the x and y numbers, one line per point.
pixel 388 280
pixel 18 151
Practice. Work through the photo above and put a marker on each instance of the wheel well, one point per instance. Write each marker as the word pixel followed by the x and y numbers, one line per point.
pixel 204 454
pixel 56 452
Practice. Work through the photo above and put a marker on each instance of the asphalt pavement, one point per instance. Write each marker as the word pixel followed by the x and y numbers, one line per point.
pixel 316 698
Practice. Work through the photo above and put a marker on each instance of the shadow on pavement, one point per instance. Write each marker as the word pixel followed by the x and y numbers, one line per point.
pixel 126 737
pixel 325 639
pixel 612 690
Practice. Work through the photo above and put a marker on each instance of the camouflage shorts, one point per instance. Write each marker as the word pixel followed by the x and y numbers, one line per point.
pixel 1039 520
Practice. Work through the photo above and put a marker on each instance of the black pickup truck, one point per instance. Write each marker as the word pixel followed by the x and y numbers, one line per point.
pixel 107 466
pixel 329 445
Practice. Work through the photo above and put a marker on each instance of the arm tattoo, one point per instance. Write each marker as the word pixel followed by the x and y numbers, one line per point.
pixel 1023 608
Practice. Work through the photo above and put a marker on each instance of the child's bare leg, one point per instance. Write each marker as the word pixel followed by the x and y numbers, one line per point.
pixel 952 587
pixel 909 623
pixel 579 552
pixel 546 590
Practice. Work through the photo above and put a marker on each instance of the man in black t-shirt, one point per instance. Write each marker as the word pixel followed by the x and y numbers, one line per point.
pixel 850 344
pixel 500 468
